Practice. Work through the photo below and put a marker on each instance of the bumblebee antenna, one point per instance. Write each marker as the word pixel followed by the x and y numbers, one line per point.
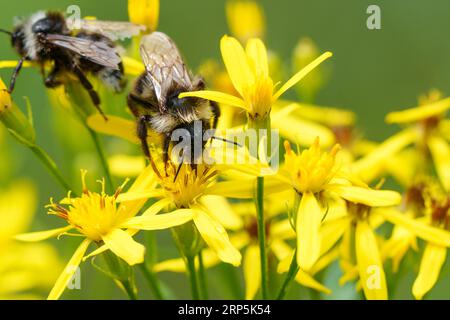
pixel 7 32
pixel 225 140
pixel 178 171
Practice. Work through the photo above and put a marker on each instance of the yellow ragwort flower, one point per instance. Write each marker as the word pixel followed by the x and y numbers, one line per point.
pixel 99 218
pixel 249 72
pixel 310 173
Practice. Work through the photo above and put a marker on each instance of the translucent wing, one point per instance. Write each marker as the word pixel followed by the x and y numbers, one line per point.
pixel 114 30
pixel 95 51
pixel 164 65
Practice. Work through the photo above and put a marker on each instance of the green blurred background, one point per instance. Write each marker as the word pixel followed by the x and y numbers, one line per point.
pixel 372 72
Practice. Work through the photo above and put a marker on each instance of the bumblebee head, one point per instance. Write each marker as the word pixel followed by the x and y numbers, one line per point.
pixel 191 141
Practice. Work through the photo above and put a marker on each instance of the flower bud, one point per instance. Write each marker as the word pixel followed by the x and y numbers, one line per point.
pixel 14 119
pixel 305 52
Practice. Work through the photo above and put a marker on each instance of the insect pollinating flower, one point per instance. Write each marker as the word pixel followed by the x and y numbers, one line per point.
pixel 241 214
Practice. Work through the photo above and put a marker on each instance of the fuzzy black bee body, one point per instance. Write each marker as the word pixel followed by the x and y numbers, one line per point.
pixel 46 37
pixel 154 99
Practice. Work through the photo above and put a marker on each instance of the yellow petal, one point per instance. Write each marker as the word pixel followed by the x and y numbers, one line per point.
pixel 331 232
pixel 252 271
pixel 282 229
pixel 440 150
pixel 306 280
pixel 216 237
pixel 123 245
pixel 210 259
pixel 147 180
pixel 42 235
pixel 419 113
pixel 132 66
pixel 367 196
pixel 257 53
pixel 301 74
pixel 145 12
pixel 366 166
pixel 139 195
pixel 13 64
pixel 160 221
pixel 245 189
pixel 420 229
pixel 222 210
pixel 125 165
pixel 157 207
pixel 217 96
pixel 430 266
pixel 301 131
pixel 398 245
pixel 282 252
pixel 68 271
pixel 236 62
pixel 309 218
pixel 370 266
pixel 114 126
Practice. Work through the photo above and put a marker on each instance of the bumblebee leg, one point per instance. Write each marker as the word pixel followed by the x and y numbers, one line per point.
pixel 165 151
pixel 89 88
pixel 51 81
pixel 15 74
pixel 142 134
pixel 216 113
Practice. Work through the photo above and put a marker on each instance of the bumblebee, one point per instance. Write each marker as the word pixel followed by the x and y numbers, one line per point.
pixel 154 99
pixel 46 37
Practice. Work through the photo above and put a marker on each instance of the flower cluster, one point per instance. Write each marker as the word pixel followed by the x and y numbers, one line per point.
pixel 323 208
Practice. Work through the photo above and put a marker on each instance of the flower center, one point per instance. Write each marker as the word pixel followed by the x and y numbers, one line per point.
pixel 258 96
pixel 185 183
pixel 312 169
pixel 93 214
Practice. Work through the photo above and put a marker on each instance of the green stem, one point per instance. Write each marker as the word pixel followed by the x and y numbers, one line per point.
pixel 258 125
pixel 202 277
pixel 262 235
pixel 50 165
pixel 129 290
pixel 102 157
pixel 190 264
pixel 293 269
pixel 152 281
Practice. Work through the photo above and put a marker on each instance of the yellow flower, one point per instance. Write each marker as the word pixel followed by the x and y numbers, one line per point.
pixel 428 123
pixel 240 219
pixel 144 12
pixel 100 218
pixel 245 19
pixel 249 72
pixel 427 217
pixel 311 173
pixel 296 122
pixel 186 190
pixel 23 267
